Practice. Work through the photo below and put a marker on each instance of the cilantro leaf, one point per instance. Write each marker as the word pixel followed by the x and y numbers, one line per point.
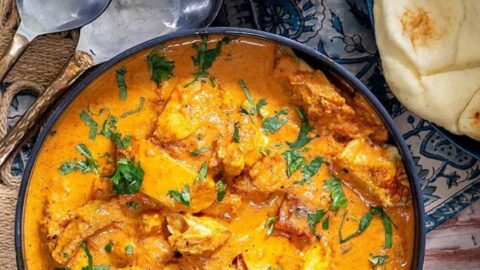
pixel 89 164
pixel 251 103
pixel 182 197
pixel 128 177
pixel 122 86
pixel 199 151
pixel 336 193
pixel 132 204
pixel 236 133
pixel 270 225
pixel 387 226
pixel 136 110
pixel 377 260
pixel 90 260
pixel 294 161
pixel 109 130
pixel 91 124
pixel 221 191
pixel 160 68
pixel 325 224
pixel 129 249
pixel 365 223
pixel 205 57
pixel 202 173
pixel 109 247
pixel 262 102
pixel 67 167
pixel 274 123
pixel 310 170
pixel 315 218
pixel 302 138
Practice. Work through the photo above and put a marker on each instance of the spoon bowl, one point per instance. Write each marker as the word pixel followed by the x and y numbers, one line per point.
pixel 48 16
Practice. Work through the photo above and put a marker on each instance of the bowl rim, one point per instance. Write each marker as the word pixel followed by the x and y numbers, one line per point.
pixel 320 59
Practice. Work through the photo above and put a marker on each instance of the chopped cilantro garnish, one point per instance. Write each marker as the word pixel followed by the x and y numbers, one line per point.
pixel 205 57
pixel 310 170
pixel 325 223
pixel 202 173
pixel 302 138
pixel 336 193
pixel 252 109
pixel 377 260
pixel 109 247
pixel 294 161
pixel 182 197
pixel 201 150
pixel 109 130
pixel 132 204
pixel 90 260
pixel 365 223
pixel 129 249
pixel 136 110
pixel 314 218
pixel 161 69
pixel 274 123
pixel 270 225
pixel 90 123
pixel 221 191
pixel 262 102
pixel 236 133
pixel 89 164
pixel 128 177
pixel 122 86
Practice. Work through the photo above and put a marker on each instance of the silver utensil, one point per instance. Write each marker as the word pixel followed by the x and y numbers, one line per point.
pixel 47 16
pixel 124 24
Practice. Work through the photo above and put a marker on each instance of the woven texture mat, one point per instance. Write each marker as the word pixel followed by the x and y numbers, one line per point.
pixel 34 71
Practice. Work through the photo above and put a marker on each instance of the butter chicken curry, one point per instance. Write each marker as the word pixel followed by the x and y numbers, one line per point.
pixel 218 153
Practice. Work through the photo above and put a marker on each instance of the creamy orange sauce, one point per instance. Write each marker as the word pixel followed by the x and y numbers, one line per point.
pixel 168 166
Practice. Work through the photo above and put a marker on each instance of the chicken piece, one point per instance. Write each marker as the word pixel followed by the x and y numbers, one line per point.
pixel 318 257
pixel 195 235
pixel 227 208
pixel 268 175
pixel 86 221
pixel 155 252
pixel 244 186
pixel 324 104
pixel 374 170
pixel 288 64
pixel 236 156
pixel 164 174
pixel 302 200
pixel 190 106
pixel 292 221
pixel 371 124
pixel 152 223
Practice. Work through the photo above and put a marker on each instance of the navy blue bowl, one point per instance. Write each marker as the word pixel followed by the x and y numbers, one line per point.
pixel 314 58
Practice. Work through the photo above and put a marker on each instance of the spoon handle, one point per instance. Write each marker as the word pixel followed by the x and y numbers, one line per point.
pixel 78 64
pixel 16 48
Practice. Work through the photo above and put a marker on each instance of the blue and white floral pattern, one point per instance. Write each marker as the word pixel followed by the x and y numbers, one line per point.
pixel 342 30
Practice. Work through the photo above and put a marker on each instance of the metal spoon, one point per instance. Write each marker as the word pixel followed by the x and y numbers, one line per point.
pixel 48 16
pixel 124 24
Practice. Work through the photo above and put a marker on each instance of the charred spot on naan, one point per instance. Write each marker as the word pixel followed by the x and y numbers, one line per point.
pixel 418 26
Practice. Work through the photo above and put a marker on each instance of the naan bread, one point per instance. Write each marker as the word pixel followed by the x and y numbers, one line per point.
pixel 430 52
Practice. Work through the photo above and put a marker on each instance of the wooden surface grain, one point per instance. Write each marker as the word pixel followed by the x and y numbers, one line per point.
pixel 456 243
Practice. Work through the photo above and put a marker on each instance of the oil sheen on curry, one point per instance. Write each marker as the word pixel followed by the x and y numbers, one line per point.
pixel 218 153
